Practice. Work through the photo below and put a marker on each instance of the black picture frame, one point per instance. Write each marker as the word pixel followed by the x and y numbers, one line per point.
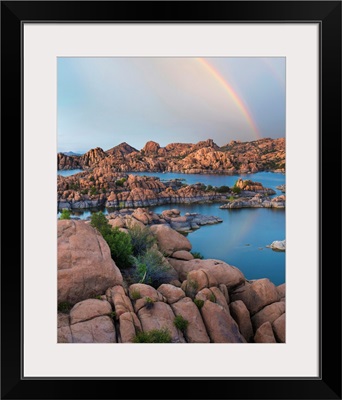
pixel 328 15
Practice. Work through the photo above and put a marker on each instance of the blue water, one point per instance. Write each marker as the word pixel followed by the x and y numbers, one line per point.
pixel 69 172
pixel 241 238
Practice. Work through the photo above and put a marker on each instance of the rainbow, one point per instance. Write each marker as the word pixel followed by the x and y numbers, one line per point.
pixel 234 96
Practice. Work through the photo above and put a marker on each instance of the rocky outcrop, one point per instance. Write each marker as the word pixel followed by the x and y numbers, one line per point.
pixel 102 187
pixel 130 326
pixel 160 316
pixel 279 328
pixel 215 271
pixel 209 301
pixel 172 218
pixel 172 293
pixel 255 187
pixel 89 309
pixel 278 245
pixel 92 157
pixel 281 188
pixel 269 313
pixel 265 334
pixel 89 322
pixel 220 325
pixel 256 295
pixel 85 266
pixel 281 289
pixel 256 201
pixel 151 148
pixel 253 195
pixel 123 149
pixel 65 162
pixel 241 315
pixel 202 157
pixel 195 331
pixel 170 241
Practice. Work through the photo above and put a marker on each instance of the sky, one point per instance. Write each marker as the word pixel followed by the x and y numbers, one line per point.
pixel 103 102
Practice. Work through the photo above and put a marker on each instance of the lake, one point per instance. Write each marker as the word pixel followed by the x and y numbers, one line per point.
pixel 69 172
pixel 241 238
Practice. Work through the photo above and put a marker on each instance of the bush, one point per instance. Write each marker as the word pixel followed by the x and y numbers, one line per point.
pixel 197 254
pixel 149 303
pixel 65 214
pixel 120 182
pixel 152 269
pixel 212 298
pixel 199 303
pixel 100 222
pixel 142 239
pixel 74 186
pixel 93 191
pixel 236 189
pixel 180 323
pixel 120 247
pixel 64 307
pixel 209 188
pixel 135 295
pixel 154 336
pixel 223 189
pixel 118 242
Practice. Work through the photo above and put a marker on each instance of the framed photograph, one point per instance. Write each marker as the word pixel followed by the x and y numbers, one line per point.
pixel 188 240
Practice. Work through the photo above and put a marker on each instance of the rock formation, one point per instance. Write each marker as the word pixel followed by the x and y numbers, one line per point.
pixel 202 157
pixel 213 297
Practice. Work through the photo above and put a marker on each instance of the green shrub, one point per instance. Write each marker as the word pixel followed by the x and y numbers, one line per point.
pixel 149 303
pixel 64 307
pixel 154 336
pixel 212 298
pixel 135 294
pixel 151 269
pixel 236 189
pixel 120 182
pixel 142 239
pixel 93 191
pixel 209 188
pixel 112 314
pixel 199 303
pixel 100 222
pixel 120 247
pixel 192 284
pixel 197 254
pixel 74 186
pixel 118 242
pixel 180 323
pixel 223 189
pixel 65 214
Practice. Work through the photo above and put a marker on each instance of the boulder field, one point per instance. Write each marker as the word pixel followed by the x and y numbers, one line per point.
pixel 203 157
pixel 215 299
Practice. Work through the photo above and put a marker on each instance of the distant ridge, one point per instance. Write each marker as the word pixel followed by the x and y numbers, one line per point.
pixel 206 156
pixel 122 148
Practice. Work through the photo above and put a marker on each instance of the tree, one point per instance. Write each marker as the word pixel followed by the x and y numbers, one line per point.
pixel 119 242
pixel 65 214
